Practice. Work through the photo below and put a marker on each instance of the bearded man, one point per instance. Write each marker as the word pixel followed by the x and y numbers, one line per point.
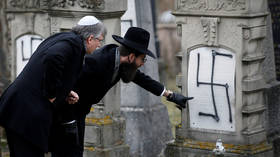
pixel 101 71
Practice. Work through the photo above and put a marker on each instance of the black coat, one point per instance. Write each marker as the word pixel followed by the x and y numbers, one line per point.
pixel 94 82
pixel 51 72
pixel 96 77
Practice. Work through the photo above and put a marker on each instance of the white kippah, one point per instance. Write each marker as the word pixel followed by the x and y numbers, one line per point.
pixel 88 20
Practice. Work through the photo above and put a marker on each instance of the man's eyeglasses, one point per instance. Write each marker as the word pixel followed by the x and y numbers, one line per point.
pixel 101 41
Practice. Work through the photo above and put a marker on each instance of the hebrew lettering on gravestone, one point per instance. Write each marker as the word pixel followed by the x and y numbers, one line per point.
pixel 211 80
pixel 26 45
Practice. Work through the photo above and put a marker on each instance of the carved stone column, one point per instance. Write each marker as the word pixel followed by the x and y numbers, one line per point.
pixel 222 56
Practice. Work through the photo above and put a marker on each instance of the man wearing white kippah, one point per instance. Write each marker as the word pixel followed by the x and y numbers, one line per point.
pixel 29 104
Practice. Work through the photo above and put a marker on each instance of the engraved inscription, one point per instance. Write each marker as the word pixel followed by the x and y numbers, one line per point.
pixel 24 3
pixel 88 4
pixel 212 5
pixel 28 4
pixel 58 3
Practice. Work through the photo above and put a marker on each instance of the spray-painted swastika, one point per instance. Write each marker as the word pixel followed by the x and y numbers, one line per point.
pixel 215 115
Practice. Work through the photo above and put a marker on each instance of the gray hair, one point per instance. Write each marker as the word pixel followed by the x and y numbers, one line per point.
pixel 86 30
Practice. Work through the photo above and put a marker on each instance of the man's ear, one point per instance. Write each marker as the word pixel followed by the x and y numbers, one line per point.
pixel 131 57
pixel 90 38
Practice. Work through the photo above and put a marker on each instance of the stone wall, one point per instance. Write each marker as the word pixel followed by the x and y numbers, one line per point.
pixel 273 109
pixel 274 6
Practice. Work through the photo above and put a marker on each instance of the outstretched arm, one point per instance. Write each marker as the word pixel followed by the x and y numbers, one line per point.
pixel 158 89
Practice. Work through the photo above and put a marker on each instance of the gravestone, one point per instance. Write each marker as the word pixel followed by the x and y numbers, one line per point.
pixel 222 68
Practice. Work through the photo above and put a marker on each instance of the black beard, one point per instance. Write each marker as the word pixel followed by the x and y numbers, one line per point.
pixel 128 71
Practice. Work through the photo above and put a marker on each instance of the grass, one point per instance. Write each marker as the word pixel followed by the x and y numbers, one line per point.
pixel 173 112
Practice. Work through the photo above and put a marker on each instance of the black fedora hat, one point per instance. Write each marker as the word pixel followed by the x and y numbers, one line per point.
pixel 137 39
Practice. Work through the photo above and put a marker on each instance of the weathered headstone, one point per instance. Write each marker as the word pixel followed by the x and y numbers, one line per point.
pixel 222 56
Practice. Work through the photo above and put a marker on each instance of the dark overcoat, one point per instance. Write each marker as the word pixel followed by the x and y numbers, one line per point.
pixel 94 82
pixel 96 78
pixel 51 72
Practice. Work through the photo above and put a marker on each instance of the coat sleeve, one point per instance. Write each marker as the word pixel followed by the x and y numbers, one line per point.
pixel 148 83
pixel 84 84
pixel 54 63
